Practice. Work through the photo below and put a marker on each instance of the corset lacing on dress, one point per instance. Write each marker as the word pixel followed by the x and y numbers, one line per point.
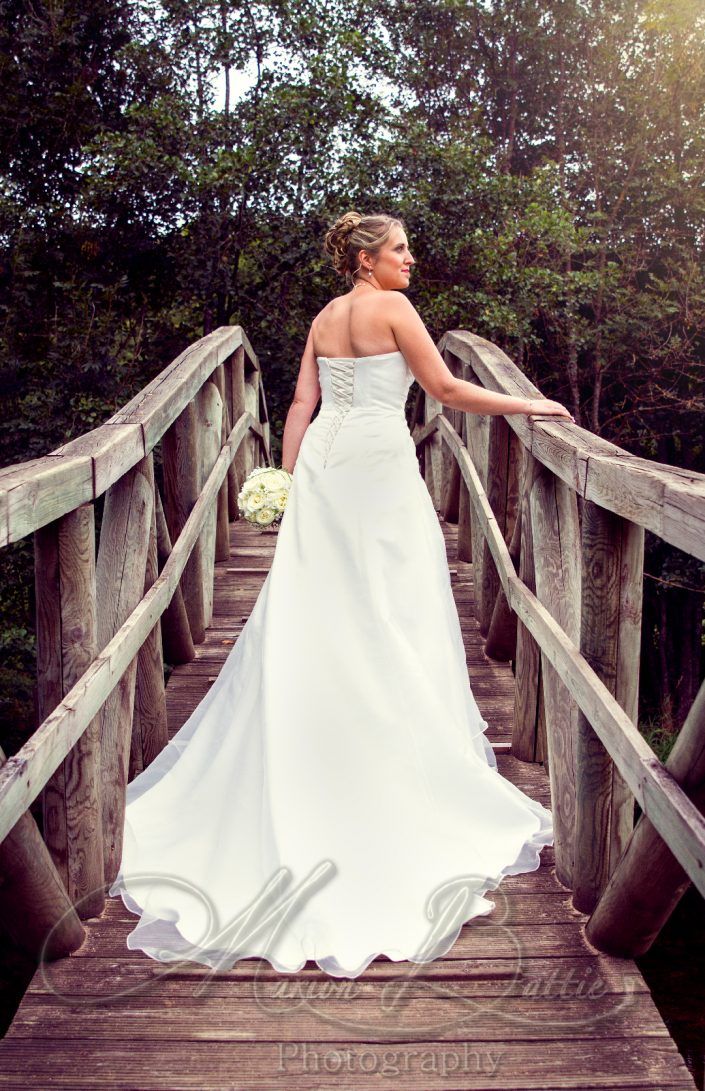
pixel 341 380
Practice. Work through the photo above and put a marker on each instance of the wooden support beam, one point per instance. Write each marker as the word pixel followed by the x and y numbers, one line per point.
pixel 502 492
pixel 252 443
pixel 450 472
pixel 610 641
pixel 222 533
pixel 241 463
pixel 450 489
pixel 233 484
pixel 433 454
pixel 529 730
pixel 648 882
pixel 464 552
pixel 556 543
pixel 67 643
pixel 210 427
pixel 177 643
pixel 120 578
pixel 149 725
pixel 501 641
pixel 477 438
pixel 181 461
pixel 35 908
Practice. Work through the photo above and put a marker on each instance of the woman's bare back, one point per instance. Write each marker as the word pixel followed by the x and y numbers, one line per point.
pixel 355 324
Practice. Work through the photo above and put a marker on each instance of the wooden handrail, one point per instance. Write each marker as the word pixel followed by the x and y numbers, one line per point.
pixel 571 624
pixel 38 491
pixel 664 499
pixel 101 619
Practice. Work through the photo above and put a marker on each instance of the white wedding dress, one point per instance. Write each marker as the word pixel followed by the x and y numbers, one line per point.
pixel 333 797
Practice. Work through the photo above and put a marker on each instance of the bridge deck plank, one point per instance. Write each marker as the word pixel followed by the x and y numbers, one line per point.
pixel 522 1001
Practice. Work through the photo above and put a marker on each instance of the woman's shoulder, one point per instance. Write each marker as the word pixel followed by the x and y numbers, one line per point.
pixel 382 297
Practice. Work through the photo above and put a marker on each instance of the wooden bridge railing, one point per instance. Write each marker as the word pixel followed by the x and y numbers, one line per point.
pixel 104 621
pixel 553 519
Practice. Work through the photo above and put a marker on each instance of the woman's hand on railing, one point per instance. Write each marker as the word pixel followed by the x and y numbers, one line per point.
pixel 545 407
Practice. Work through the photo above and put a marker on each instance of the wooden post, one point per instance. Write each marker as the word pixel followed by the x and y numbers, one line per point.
pixel 233 484
pixel 450 489
pixel 477 431
pixel 556 539
pixel 177 643
pixel 648 882
pixel 181 461
pixel 502 635
pixel 241 465
pixel 502 492
pixel 120 577
pixel 33 898
pixel 251 403
pixel 210 424
pixel 610 640
pixel 264 421
pixel 527 669
pixel 450 471
pixel 433 465
pixel 67 644
pixel 464 505
pixel 149 727
pixel 222 533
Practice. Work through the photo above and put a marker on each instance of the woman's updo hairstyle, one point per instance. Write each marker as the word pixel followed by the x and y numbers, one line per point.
pixel 352 233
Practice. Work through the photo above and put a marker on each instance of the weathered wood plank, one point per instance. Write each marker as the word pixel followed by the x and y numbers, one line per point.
pixel 610 641
pixel 177 642
pixel 120 579
pixel 556 542
pixel 587 975
pixel 67 643
pixel 181 453
pixel 209 411
pixel 527 703
pixel 149 725
pixel 451 1017
pixel 475 1065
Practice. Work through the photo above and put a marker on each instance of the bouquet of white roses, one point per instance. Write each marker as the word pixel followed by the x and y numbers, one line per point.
pixel 263 496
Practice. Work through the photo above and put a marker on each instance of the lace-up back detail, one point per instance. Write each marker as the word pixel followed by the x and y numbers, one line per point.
pixel 371 386
pixel 342 379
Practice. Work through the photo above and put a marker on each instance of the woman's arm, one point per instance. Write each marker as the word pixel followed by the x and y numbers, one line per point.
pixel 306 395
pixel 436 378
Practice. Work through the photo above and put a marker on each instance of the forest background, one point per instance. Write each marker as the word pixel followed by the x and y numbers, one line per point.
pixel 166 168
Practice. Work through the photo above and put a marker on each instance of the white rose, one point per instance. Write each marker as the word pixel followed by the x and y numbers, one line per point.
pixel 254 502
pixel 265 516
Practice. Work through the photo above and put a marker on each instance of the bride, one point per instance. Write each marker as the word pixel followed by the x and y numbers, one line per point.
pixel 333 797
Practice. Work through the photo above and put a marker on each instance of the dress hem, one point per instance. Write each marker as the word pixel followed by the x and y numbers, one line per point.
pixel 527 860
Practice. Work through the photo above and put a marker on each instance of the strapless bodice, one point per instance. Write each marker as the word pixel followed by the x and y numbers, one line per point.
pixel 361 387
pixel 348 382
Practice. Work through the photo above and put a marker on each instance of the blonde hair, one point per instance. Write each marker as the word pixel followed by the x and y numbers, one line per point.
pixel 354 232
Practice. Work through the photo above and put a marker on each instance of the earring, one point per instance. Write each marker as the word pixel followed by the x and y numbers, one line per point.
pixel 369 272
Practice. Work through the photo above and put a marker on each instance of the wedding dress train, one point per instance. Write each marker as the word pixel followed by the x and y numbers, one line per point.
pixel 333 797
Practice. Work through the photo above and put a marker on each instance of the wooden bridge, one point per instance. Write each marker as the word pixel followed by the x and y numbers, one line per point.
pixel 544 524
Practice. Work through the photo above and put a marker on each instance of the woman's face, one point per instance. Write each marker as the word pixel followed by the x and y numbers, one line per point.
pixel 390 267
